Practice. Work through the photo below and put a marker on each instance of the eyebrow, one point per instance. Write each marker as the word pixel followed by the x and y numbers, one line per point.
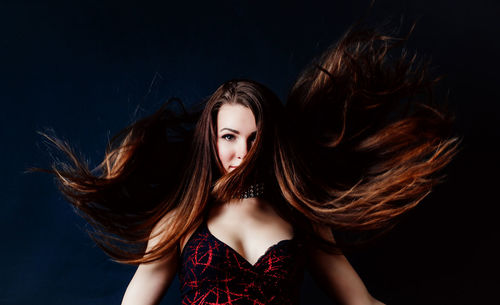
pixel 232 130
pixel 235 131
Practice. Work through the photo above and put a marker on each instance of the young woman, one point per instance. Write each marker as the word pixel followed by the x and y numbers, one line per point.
pixel 239 207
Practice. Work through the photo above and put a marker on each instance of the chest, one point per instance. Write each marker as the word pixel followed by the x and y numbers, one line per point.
pixel 212 272
pixel 249 228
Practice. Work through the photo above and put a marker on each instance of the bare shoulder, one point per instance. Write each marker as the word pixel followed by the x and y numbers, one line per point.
pixel 183 241
pixel 158 232
pixel 152 279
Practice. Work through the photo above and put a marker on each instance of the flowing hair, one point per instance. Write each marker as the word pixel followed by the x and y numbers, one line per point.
pixel 368 137
pixel 359 142
pixel 148 175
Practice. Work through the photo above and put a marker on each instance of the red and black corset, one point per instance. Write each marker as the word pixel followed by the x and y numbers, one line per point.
pixel 211 272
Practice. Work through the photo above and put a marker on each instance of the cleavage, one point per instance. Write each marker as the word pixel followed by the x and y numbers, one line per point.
pixel 239 247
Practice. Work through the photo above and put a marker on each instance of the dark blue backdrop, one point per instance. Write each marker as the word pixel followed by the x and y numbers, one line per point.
pixel 88 68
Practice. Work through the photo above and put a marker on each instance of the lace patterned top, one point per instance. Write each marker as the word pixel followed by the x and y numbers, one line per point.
pixel 211 272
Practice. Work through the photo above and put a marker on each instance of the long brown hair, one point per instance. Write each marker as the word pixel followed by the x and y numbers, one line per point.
pixel 146 176
pixel 368 136
pixel 359 142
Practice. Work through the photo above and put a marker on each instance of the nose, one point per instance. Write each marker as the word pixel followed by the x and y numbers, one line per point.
pixel 242 150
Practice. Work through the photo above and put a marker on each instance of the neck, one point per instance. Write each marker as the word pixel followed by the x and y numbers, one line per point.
pixel 255 190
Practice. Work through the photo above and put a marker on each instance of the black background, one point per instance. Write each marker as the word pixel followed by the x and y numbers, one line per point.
pixel 89 68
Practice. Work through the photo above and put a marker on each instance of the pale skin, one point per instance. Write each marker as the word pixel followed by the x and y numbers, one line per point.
pixel 249 226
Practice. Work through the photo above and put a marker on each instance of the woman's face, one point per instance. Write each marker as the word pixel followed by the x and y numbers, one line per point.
pixel 236 131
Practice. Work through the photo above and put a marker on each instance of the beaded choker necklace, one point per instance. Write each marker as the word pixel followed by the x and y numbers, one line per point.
pixel 255 190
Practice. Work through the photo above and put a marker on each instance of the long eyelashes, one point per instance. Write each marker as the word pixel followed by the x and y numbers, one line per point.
pixel 228 137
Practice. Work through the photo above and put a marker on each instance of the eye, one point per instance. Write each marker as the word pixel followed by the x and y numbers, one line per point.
pixel 228 137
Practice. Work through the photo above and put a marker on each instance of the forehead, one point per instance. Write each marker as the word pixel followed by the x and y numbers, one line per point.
pixel 236 116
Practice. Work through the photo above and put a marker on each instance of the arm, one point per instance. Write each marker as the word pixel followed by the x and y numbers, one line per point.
pixel 337 277
pixel 151 280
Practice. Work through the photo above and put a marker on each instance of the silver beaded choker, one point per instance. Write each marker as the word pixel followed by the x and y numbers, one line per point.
pixel 255 190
